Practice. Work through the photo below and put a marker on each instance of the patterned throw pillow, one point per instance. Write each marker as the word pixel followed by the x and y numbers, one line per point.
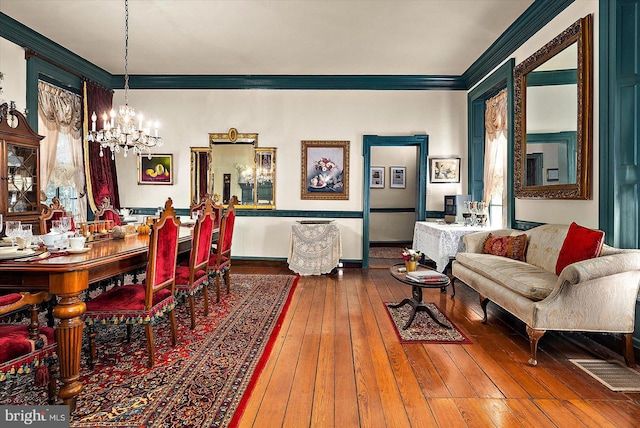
pixel 580 244
pixel 513 247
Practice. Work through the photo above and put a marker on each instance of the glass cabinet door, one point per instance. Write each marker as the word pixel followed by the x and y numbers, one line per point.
pixel 22 179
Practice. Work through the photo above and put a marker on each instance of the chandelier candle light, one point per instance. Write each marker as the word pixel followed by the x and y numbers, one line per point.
pixel 119 131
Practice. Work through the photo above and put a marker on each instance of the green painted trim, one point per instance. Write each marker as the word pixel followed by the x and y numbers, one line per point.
pixel 264 213
pixel 435 214
pixel 393 210
pixel 568 138
pixel 22 35
pixel 552 78
pixel 606 118
pixel 368 141
pixel 501 78
pixel 301 82
pixel 37 68
pixel 540 13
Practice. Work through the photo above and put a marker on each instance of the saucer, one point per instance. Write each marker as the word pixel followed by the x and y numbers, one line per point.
pixel 78 251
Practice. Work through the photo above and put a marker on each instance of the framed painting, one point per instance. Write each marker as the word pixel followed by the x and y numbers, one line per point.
pixel 397 177
pixel 325 170
pixel 155 169
pixel 376 177
pixel 444 170
pixel 553 174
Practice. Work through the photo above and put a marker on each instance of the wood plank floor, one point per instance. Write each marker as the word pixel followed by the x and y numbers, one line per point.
pixel 337 362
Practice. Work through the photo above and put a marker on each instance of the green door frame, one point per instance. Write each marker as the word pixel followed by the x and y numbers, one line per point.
pixel 369 141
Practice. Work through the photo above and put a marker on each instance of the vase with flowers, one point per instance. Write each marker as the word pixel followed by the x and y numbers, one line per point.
pixel 411 258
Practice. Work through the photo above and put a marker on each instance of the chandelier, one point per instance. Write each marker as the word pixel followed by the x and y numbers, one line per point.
pixel 122 130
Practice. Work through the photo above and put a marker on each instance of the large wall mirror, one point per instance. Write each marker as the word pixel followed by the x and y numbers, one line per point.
pixel 553 117
pixel 240 168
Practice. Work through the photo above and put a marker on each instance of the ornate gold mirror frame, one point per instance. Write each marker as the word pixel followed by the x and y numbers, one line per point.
pixel 240 168
pixel 578 186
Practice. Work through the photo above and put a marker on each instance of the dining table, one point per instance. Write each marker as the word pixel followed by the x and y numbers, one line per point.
pixel 67 275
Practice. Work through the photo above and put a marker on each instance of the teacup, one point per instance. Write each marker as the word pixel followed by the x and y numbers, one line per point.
pixel 77 242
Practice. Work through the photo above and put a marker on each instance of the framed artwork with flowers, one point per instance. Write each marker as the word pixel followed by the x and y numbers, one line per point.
pixel 325 170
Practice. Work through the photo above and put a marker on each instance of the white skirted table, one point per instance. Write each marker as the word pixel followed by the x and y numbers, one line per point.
pixel 315 248
pixel 441 242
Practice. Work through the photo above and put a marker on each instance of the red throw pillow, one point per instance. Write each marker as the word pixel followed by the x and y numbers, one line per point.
pixel 513 247
pixel 580 244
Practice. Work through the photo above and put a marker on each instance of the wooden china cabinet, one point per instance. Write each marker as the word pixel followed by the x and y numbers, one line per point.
pixel 19 168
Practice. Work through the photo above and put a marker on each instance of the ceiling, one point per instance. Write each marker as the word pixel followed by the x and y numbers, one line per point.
pixel 308 37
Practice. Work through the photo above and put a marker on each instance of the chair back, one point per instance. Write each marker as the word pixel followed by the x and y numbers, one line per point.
pixel 201 240
pixel 199 206
pixel 163 253
pixel 226 230
pixel 54 211
pixel 106 211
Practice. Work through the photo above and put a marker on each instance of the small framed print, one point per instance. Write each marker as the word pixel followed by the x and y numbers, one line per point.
pixel 155 169
pixel 553 174
pixel 444 170
pixel 376 177
pixel 397 177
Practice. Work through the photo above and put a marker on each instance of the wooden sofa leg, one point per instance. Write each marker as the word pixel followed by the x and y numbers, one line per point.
pixel 483 303
pixel 627 350
pixel 534 336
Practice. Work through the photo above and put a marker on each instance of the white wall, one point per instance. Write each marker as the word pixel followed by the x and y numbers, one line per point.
pixel 283 118
pixel 14 68
pixel 566 211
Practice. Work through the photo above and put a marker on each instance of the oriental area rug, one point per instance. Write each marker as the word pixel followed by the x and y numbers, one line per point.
pixel 201 382
pixel 423 329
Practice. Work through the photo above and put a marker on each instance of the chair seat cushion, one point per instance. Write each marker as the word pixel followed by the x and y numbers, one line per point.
pixel 15 342
pixel 224 262
pixel 125 304
pixel 182 280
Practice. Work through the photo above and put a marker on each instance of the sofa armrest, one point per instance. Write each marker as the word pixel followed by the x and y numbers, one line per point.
pixel 473 241
pixel 605 304
pixel 600 267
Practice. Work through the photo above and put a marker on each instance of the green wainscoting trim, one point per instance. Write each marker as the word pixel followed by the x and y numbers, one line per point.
pixel 35 42
pixel 393 210
pixel 263 213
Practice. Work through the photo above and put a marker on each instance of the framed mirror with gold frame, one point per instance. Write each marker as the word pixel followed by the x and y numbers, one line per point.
pixel 553 126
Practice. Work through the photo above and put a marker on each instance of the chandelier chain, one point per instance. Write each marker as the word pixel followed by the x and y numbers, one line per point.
pixel 126 52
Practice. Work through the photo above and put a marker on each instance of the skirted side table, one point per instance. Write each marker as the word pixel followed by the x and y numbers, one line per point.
pixel 315 247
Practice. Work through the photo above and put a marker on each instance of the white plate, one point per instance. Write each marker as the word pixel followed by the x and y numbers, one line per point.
pixel 19 254
pixel 78 251
pixel 5 250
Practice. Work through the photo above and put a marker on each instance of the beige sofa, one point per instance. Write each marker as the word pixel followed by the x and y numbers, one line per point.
pixel 595 295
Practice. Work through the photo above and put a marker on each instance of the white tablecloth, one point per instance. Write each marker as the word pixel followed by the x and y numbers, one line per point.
pixel 441 242
pixel 314 248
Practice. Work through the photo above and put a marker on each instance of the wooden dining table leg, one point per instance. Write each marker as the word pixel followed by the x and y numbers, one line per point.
pixel 68 286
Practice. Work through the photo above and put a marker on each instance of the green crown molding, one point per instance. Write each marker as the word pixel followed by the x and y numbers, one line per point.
pixel 35 42
pixel 552 78
pixel 300 82
pixel 534 18
pixel 540 13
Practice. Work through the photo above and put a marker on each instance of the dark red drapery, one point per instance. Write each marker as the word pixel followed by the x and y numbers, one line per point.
pixel 101 171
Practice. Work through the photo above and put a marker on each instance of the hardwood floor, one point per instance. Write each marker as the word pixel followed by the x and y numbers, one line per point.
pixel 337 362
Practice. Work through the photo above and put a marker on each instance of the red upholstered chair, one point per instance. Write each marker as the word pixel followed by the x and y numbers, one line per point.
pixel 107 212
pixel 143 303
pixel 220 260
pixel 29 348
pixel 55 211
pixel 194 277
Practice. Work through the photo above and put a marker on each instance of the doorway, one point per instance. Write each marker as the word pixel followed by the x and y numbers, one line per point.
pixel 392 176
